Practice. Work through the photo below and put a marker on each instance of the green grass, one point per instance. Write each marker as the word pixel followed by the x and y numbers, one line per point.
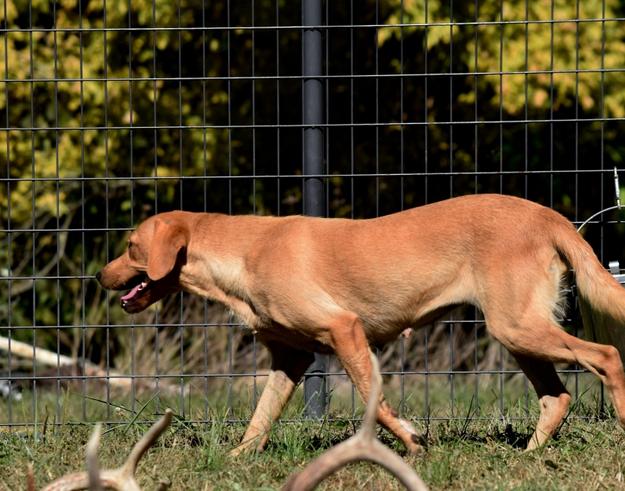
pixel 446 397
pixel 482 448
pixel 480 455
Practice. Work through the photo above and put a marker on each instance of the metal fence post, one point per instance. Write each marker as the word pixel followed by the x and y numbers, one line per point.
pixel 314 194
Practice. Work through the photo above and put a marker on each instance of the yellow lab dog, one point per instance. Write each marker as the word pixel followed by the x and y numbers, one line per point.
pixel 339 286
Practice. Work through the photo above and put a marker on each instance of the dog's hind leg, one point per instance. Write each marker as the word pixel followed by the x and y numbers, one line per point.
pixel 543 339
pixel 287 368
pixel 553 397
pixel 350 344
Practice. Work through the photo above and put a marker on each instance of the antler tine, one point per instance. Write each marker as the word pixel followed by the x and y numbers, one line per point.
pixel 120 479
pixel 362 446
pixel 93 467
pixel 147 440
pixel 367 428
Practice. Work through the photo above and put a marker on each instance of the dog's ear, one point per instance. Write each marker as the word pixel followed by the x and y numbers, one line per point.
pixel 167 242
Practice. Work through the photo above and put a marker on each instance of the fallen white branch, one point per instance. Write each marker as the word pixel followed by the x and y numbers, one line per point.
pixel 48 358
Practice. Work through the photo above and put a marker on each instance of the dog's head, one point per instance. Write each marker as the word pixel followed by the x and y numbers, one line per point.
pixel 150 266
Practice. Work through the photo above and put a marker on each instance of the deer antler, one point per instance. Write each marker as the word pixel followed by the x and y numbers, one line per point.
pixel 362 446
pixel 120 479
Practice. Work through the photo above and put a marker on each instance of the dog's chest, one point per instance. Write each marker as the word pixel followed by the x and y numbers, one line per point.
pixel 248 317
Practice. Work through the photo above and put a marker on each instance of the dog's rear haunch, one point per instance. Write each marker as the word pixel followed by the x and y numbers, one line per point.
pixel 339 286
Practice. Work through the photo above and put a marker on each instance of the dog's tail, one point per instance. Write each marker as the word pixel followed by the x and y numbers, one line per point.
pixel 595 284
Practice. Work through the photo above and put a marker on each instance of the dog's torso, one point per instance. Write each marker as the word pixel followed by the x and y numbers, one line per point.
pixel 285 276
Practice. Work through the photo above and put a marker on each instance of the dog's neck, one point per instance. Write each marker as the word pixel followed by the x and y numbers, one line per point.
pixel 213 256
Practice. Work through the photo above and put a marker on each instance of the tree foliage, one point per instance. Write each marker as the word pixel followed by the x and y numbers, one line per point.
pixel 549 54
pixel 113 110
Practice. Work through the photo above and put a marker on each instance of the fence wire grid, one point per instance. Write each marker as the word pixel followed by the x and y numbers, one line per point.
pixel 115 110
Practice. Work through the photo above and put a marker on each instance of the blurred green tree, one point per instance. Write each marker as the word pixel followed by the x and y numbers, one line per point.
pixel 113 110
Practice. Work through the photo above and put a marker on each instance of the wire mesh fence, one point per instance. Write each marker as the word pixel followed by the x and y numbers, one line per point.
pixel 112 111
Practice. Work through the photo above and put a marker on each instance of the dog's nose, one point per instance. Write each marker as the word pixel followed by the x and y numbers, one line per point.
pixel 98 275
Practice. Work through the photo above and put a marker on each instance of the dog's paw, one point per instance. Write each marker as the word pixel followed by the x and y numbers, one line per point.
pixel 415 442
pixel 243 449
pixel 414 447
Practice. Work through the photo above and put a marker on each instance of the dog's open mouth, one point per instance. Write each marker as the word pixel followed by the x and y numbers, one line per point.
pixel 130 298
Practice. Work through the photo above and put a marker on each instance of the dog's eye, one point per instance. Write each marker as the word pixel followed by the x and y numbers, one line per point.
pixel 132 250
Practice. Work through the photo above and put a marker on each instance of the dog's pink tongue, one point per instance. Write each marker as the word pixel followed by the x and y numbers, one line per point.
pixel 131 293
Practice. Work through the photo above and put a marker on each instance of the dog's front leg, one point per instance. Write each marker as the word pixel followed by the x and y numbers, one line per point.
pixel 287 368
pixel 352 348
